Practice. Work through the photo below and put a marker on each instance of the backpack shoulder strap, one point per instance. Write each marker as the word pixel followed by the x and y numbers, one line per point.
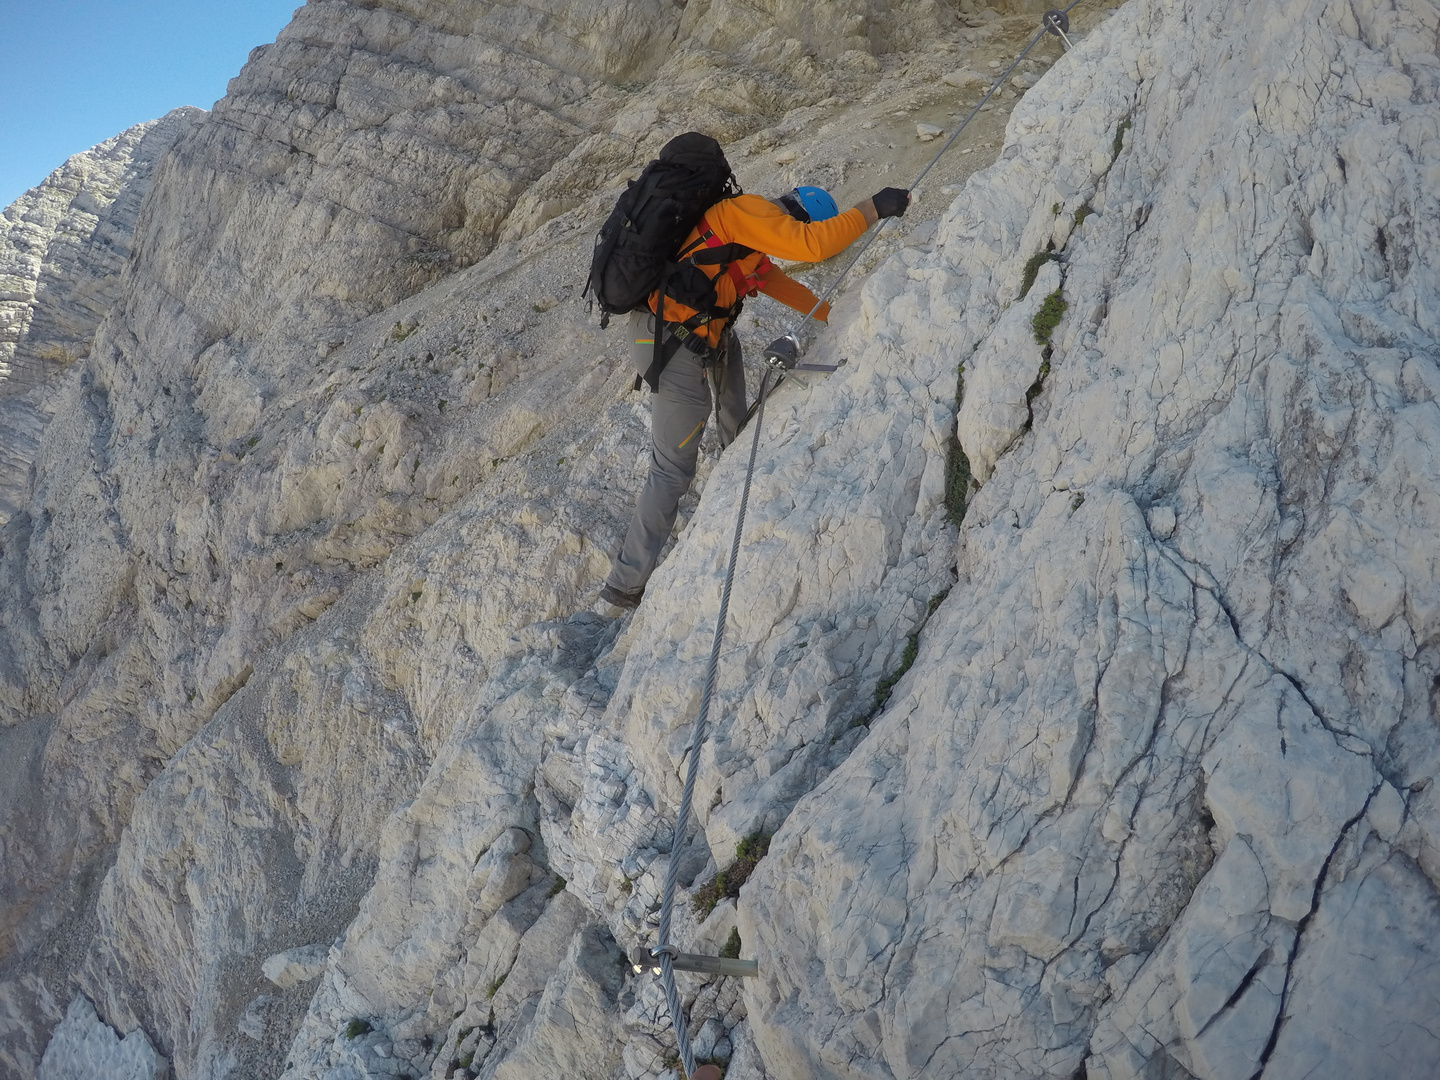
pixel 731 254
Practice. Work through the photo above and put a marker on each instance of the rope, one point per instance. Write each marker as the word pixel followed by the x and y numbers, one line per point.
pixel 664 952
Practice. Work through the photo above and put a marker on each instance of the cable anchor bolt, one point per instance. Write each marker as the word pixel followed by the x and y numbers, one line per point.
pixel 1057 23
pixel 784 353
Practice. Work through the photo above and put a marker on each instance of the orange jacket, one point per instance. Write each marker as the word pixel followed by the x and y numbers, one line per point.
pixel 760 224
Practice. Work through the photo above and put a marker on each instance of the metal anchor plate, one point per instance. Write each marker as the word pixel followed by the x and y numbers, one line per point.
pixel 641 958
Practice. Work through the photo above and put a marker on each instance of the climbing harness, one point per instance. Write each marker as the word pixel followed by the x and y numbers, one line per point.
pixel 784 352
pixel 782 355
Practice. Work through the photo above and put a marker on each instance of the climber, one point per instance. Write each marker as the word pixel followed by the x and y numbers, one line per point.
pixel 801 225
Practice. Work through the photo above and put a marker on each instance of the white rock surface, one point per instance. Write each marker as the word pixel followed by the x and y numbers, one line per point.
pixel 963 79
pixel 84 1047
pixel 295 966
pixel 1116 818
pixel 293 638
pixel 64 245
pixel 22 418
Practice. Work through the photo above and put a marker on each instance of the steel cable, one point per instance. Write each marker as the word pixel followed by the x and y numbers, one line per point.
pixel 664 950
pixel 830 289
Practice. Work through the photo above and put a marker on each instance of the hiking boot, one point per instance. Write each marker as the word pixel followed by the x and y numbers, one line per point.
pixel 627 600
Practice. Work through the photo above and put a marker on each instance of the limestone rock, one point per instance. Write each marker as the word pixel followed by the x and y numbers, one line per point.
pixel 962 79
pixel 1121 802
pixel 63 247
pixel 1092 712
pixel 1375 904
pixel 242 486
pixel 295 966
pixel 198 592
pixel 22 417
pixel 28 1009
pixel 257 1022
pixel 84 1046
pixel 64 243
pixel 574 1028
pixel 745 1062
pixel 998 377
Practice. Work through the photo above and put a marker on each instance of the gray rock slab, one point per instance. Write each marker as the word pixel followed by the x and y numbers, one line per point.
pixel 295 966
pixel 84 1046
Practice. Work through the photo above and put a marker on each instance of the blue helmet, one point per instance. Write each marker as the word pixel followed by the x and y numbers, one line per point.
pixel 809 204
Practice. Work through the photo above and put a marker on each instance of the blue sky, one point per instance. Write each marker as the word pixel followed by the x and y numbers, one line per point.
pixel 76 72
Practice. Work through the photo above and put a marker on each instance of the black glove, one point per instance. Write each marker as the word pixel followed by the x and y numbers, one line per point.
pixel 890 201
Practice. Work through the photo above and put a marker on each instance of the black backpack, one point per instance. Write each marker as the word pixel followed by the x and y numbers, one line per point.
pixel 637 251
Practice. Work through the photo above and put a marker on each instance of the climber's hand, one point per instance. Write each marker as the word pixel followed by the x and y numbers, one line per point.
pixel 890 202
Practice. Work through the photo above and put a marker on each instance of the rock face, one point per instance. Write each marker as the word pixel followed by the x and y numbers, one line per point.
pixel 22 418
pixel 1162 773
pixel 1084 643
pixel 84 1047
pixel 63 248
pixel 64 244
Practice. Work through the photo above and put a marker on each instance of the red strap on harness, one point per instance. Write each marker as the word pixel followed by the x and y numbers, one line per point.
pixel 745 284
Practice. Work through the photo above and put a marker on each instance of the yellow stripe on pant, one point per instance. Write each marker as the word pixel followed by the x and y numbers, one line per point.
pixel 698 428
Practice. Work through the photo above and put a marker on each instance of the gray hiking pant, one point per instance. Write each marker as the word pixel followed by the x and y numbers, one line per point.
pixel 679 410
